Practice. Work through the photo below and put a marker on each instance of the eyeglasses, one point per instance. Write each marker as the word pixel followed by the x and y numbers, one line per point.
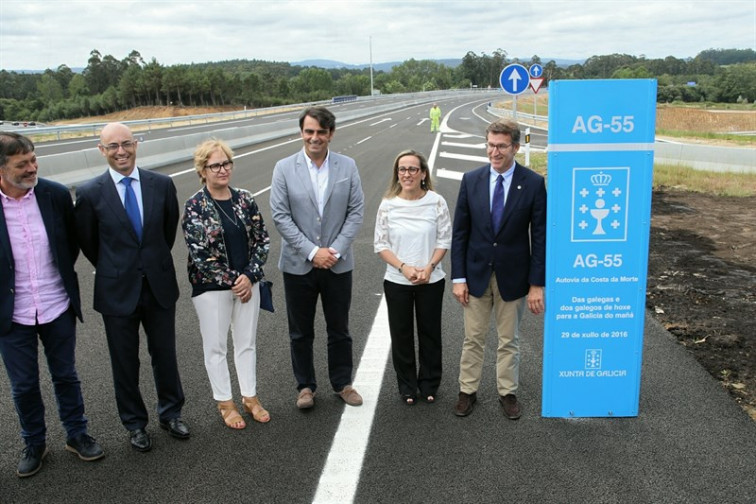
pixel 113 147
pixel 216 167
pixel 412 170
pixel 498 147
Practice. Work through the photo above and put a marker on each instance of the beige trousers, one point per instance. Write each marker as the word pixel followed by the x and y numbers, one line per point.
pixel 477 322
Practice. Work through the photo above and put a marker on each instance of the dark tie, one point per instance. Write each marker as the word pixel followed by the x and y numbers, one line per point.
pixel 497 205
pixel 131 206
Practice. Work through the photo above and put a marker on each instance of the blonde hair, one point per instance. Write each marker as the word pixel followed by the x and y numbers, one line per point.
pixel 395 187
pixel 203 152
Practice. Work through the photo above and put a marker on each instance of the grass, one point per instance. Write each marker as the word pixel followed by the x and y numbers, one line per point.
pixel 680 178
pixel 744 140
pixel 684 178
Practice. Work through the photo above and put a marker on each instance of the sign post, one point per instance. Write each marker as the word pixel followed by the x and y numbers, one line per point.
pixel 601 135
pixel 536 80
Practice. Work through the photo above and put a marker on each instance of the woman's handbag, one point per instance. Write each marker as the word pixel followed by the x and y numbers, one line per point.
pixel 266 295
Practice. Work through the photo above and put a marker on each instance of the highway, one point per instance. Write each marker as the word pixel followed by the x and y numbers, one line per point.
pixel 681 448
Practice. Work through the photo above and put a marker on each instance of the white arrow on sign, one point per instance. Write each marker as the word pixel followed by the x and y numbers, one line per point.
pixel 535 83
pixel 514 76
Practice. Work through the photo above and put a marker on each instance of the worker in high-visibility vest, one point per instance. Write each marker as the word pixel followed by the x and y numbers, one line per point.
pixel 435 117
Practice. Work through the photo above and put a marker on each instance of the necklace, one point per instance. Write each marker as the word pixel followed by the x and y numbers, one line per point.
pixel 235 220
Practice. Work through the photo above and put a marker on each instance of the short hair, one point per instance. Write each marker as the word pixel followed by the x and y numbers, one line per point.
pixel 11 144
pixel 505 127
pixel 203 152
pixel 325 117
pixel 395 187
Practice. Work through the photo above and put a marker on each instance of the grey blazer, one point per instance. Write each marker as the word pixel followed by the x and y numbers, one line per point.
pixel 295 211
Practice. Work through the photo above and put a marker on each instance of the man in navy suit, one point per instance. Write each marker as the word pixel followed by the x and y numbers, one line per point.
pixel 40 299
pixel 317 203
pixel 127 220
pixel 498 262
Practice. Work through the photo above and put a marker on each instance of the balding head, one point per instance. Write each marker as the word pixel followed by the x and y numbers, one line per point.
pixel 118 146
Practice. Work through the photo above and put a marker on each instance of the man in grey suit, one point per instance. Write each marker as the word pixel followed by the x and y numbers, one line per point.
pixel 317 205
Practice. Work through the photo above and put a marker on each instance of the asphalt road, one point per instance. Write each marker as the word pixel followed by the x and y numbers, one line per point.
pixel 690 442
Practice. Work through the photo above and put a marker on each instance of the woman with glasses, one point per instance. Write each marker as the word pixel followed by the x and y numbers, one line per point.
pixel 228 246
pixel 412 235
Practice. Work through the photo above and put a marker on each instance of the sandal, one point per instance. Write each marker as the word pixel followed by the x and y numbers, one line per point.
pixel 408 399
pixel 253 407
pixel 230 414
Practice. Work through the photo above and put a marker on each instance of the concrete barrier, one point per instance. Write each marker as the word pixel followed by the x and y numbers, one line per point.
pixel 73 168
pixel 706 157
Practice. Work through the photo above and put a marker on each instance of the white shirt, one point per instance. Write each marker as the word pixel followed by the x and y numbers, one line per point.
pixel 413 230
pixel 319 181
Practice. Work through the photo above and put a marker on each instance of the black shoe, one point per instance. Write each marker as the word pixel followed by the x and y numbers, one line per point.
pixel 465 404
pixel 511 406
pixel 176 428
pixel 140 440
pixel 85 447
pixel 31 460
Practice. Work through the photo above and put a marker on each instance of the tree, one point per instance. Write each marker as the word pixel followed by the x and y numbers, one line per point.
pixel 49 90
pixel 94 73
pixel 174 79
pixel 153 79
pixel 738 83
pixel 130 87
pixel 64 75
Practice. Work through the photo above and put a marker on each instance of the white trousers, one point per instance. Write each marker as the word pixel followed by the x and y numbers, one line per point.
pixel 217 311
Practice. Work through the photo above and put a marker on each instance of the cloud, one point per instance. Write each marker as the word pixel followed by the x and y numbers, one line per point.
pixel 45 34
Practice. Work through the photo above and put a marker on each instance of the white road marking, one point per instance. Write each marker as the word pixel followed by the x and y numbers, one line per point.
pixel 478 146
pixel 463 157
pixel 449 174
pixel 341 474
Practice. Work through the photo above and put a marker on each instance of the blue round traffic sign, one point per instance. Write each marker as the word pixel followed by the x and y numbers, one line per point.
pixel 514 79
pixel 536 70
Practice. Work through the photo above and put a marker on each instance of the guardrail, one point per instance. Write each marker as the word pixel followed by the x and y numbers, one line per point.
pixel 93 129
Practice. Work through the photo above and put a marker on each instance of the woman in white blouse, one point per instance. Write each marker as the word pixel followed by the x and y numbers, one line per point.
pixel 412 235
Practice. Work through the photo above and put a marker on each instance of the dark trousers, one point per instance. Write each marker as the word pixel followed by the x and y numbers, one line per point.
pixel 19 350
pixel 335 291
pixel 406 305
pixel 123 343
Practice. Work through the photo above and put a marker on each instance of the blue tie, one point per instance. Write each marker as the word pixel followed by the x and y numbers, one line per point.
pixel 131 206
pixel 497 205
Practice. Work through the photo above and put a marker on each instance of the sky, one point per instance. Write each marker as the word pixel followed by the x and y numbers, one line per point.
pixel 36 35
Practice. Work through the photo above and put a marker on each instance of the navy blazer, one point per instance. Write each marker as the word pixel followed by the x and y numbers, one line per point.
pixel 516 253
pixel 109 241
pixel 56 207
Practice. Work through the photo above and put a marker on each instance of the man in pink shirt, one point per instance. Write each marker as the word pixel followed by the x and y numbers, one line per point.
pixel 39 298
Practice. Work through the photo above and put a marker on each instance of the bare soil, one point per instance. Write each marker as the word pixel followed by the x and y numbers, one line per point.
pixel 702 283
pixel 138 113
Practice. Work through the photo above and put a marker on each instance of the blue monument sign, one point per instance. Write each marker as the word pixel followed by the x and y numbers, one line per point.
pixel 600 158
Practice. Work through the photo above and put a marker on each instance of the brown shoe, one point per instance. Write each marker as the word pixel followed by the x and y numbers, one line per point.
pixel 350 396
pixel 511 406
pixel 465 404
pixel 306 399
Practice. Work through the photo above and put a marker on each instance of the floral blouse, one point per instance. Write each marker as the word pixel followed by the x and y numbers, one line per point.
pixel 208 263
